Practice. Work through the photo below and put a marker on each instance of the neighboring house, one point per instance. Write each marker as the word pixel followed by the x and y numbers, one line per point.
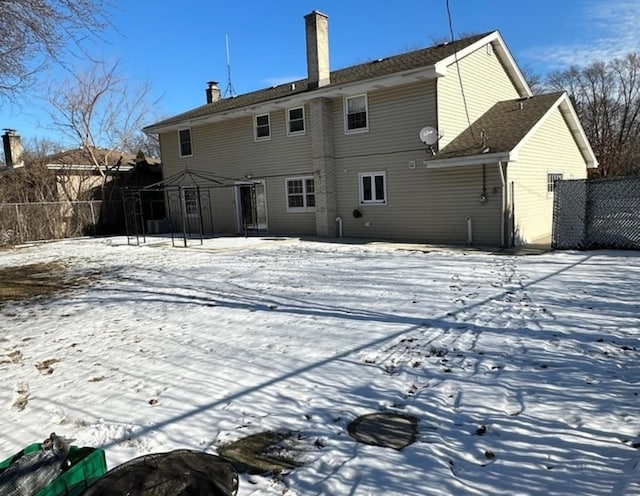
pixel 76 174
pixel 118 174
pixel 440 145
pixel 78 178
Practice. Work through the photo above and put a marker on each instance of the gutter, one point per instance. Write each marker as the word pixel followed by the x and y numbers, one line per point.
pixel 479 159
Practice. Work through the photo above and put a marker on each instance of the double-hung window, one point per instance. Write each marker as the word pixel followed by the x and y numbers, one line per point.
pixel 184 137
pixel 262 127
pixel 301 194
pixel 373 188
pixel 295 121
pixel 551 182
pixel 355 110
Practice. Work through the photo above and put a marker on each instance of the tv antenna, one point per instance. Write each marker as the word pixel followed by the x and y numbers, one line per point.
pixel 229 91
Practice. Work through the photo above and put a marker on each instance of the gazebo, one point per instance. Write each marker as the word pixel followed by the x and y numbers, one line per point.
pixel 188 212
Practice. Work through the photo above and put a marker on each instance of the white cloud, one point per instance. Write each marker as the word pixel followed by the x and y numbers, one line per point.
pixel 612 31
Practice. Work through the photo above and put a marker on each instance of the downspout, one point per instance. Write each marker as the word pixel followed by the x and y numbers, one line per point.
pixel 339 221
pixel 504 202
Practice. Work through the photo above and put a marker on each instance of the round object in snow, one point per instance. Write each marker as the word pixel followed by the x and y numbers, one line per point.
pixel 388 430
pixel 176 472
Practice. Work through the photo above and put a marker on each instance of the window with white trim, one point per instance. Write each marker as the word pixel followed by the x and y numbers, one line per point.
pixel 295 121
pixel 355 114
pixel 262 128
pixel 551 182
pixel 373 188
pixel 184 138
pixel 301 194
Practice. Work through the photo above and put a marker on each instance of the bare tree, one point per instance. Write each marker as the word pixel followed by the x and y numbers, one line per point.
pixel 606 96
pixel 149 144
pixel 36 149
pixel 533 79
pixel 32 184
pixel 101 111
pixel 34 31
pixel 39 203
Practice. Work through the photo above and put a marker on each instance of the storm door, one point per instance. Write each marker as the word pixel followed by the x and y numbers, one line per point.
pixel 251 208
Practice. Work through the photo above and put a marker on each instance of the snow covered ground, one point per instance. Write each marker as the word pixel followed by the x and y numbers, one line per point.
pixel 523 371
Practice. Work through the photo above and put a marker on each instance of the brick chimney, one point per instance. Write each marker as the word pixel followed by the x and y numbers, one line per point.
pixel 213 92
pixel 12 148
pixel 317 30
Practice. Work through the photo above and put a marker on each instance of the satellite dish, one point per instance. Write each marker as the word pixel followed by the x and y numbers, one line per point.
pixel 429 135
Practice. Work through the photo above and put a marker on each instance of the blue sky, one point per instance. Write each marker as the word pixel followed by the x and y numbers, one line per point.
pixel 179 47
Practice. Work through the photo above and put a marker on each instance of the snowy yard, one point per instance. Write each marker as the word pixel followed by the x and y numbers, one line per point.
pixel 522 371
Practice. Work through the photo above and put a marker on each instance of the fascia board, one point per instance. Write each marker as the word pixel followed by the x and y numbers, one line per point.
pixel 500 47
pixel 489 158
pixel 564 105
pixel 396 79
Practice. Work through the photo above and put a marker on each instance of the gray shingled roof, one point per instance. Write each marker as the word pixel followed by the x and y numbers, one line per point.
pixel 80 156
pixel 500 128
pixel 378 68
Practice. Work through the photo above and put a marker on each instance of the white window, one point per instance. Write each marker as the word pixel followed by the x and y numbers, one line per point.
pixel 262 127
pixel 184 136
pixel 355 114
pixel 373 188
pixel 551 182
pixel 301 194
pixel 295 121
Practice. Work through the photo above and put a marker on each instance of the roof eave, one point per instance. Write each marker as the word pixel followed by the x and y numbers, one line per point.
pixel 500 47
pixel 578 132
pixel 571 118
pixel 479 159
pixel 330 91
pixel 89 167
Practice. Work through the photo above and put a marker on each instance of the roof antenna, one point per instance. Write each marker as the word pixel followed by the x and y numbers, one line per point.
pixel 229 91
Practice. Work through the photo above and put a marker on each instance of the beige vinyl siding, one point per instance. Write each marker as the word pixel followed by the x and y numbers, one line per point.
pixel 395 117
pixel 228 149
pixel 485 82
pixel 551 149
pixel 391 144
pixel 428 205
pixel 169 153
pixel 422 205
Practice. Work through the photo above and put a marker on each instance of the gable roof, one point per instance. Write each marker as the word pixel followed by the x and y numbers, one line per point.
pixel 434 60
pixel 503 129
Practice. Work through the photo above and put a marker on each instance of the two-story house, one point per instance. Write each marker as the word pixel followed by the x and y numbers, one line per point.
pixel 445 144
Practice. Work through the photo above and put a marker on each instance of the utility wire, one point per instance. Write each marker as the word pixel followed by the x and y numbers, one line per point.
pixel 455 54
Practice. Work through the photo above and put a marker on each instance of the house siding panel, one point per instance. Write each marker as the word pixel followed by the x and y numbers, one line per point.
pixel 429 205
pixel 395 119
pixel 422 205
pixel 228 150
pixel 485 82
pixel 551 149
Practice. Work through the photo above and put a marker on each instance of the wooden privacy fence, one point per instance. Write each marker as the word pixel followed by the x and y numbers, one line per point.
pixel 597 213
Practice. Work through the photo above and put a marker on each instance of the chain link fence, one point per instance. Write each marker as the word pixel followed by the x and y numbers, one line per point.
pixel 24 222
pixel 597 213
